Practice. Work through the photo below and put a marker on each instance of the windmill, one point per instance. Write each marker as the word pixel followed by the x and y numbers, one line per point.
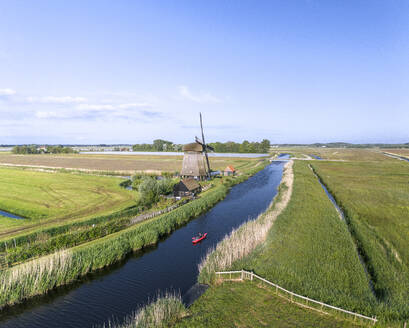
pixel 195 159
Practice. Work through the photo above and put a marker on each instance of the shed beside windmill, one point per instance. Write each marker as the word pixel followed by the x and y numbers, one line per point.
pixel 229 171
pixel 186 187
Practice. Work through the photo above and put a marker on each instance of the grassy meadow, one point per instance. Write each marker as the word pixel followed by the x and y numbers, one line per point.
pixel 247 305
pixel 375 199
pixel 55 197
pixel 335 154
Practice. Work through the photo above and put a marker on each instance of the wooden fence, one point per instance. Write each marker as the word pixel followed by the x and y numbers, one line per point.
pixel 293 297
pixel 146 216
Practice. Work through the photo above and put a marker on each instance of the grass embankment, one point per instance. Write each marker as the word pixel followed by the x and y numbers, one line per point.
pixel 308 250
pixel 44 197
pixel 105 251
pixel 375 198
pixel 247 305
pixel 243 240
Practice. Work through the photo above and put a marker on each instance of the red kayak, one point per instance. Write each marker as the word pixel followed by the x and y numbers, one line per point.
pixel 195 240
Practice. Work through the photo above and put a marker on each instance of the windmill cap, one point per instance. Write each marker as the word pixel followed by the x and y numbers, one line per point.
pixel 194 146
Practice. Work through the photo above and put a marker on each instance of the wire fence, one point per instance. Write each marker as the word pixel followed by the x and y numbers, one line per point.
pixel 293 297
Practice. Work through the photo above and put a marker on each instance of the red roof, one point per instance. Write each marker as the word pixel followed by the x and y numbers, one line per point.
pixel 230 168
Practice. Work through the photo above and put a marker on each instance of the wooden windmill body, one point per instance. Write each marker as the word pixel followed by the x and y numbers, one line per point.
pixel 195 160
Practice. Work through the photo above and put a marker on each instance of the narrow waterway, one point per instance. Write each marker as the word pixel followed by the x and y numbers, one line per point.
pixel 342 217
pixel 171 265
pixel 9 215
pixel 396 156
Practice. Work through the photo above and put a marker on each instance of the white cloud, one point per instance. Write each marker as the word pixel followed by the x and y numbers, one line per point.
pixel 42 114
pixel 135 105
pixel 110 107
pixel 56 100
pixel 203 97
pixel 7 92
pixel 98 107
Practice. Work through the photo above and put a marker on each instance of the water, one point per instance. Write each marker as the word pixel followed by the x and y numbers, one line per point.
pixel 397 157
pixel 9 215
pixel 172 265
pixel 170 153
pixel 315 156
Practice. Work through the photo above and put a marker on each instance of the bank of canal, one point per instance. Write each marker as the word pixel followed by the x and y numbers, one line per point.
pixel 171 265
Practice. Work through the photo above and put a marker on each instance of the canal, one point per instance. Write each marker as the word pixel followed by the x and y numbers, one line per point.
pixel 170 266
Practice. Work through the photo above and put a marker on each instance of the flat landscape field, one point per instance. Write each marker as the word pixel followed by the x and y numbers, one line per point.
pixel 122 163
pixel 341 154
pixel 44 197
pixel 375 198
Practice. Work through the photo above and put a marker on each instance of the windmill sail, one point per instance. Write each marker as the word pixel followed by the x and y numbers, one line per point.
pixel 205 147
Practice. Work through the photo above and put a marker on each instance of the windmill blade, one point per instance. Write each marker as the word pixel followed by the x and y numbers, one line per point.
pixel 199 141
pixel 205 146
pixel 201 127
pixel 210 148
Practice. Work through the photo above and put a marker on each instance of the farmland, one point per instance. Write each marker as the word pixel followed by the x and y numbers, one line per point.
pixel 56 197
pixel 311 251
pixel 308 249
pixel 336 154
pixel 120 163
pixel 78 247
pixel 375 198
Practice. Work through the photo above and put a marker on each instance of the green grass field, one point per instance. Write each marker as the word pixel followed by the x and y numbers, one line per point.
pixel 247 305
pixel 310 251
pixel 375 197
pixel 337 154
pixel 55 197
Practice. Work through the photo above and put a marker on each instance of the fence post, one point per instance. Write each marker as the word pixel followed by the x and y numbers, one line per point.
pixel 251 276
pixel 404 326
pixel 242 274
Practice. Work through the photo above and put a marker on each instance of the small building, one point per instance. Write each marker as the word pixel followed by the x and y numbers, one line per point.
pixel 229 171
pixel 186 187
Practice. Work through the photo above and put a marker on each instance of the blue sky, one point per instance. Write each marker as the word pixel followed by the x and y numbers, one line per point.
pixel 132 71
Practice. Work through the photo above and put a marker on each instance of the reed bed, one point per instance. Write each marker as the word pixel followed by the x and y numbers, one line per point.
pixel 34 277
pixel 163 312
pixel 243 240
